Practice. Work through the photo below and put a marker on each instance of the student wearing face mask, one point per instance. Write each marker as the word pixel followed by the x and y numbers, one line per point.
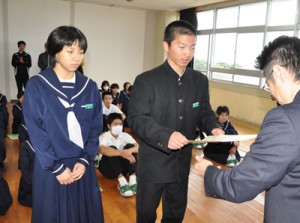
pixel 119 155
pixel 105 87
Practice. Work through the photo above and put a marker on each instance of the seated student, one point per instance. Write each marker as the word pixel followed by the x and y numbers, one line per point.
pixel 4 111
pixel 119 158
pixel 105 87
pixel 27 156
pixel 226 152
pixel 23 133
pixel 115 94
pixel 124 99
pixel 108 107
pixel 6 198
pixel 23 136
pixel 17 111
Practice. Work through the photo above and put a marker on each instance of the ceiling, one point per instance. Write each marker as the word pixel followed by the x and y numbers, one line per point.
pixel 163 5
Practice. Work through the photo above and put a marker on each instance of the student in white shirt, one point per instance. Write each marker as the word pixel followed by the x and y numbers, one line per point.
pixel 108 108
pixel 119 155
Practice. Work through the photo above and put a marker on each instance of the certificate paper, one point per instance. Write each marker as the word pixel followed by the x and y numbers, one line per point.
pixel 224 138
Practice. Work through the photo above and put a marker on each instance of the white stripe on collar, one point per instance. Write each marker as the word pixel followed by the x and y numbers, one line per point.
pixel 24 127
pixel 18 107
pixel 87 81
pixel 52 86
pixel 29 144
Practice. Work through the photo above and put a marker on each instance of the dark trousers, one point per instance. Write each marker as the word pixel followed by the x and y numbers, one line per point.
pixel 174 201
pixel 21 81
pixel 112 166
pixel 219 152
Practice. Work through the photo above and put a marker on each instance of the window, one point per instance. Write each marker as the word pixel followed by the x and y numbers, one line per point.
pixel 283 12
pixel 246 80
pixel 227 17
pixel 247 13
pixel 224 50
pixel 201 55
pixel 228 50
pixel 205 20
pixel 222 76
pixel 274 34
pixel 249 46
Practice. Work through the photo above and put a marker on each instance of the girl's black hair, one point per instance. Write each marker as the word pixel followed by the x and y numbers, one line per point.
pixel 64 36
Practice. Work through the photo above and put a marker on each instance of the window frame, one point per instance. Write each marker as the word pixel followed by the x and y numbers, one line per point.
pixel 239 30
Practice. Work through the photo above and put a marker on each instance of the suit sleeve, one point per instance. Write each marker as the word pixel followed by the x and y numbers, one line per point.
pixel 34 112
pixel 139 119
pixel 91 146
pixel 263 167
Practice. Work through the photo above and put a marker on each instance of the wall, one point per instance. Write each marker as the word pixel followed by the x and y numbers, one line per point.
pixel 118 38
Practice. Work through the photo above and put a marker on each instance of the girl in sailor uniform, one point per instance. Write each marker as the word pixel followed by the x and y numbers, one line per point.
pixel 63 115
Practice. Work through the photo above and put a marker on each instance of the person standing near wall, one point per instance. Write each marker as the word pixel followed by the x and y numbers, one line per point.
pixel 21 61
pixel 44 59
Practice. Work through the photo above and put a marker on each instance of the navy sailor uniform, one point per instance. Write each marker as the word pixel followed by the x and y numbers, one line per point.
pixel 50 109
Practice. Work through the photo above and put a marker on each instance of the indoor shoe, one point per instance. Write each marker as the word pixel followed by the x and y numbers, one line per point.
pixel 232 163
pixel 125 190
pixel 133 188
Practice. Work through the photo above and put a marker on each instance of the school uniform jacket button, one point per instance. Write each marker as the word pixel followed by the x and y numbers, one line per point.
pixel 180 101
pixel 180 117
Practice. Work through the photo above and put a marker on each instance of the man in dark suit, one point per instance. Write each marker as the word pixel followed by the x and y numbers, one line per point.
pixel 165 106
pixel 273 163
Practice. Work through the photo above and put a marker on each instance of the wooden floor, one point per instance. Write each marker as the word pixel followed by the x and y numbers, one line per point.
pixel 118 209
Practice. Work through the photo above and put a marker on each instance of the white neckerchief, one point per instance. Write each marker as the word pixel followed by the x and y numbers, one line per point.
pixel 74 128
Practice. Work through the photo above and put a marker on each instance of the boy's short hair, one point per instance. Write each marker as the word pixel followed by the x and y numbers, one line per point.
pixel 222 109
pixel 178 27
pixel 114 85
pixel 21 42
pixel 106 93
pixel 113 116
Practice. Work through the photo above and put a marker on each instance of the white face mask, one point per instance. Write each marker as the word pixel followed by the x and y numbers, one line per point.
pixel 105 88
pixel 116 130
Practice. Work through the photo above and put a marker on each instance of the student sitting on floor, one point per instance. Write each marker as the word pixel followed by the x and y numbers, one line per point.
pixel 17 113
pixel 4 111
pixel 108 108
pixel 226 152
pixel 6 198
pixel 119 157
pixel 26 162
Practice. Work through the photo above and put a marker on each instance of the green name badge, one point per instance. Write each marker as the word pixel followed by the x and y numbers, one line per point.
pixel 89 106
pixel 196 104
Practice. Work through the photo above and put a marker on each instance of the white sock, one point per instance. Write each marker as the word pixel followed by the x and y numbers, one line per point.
pixel 122 181
pixel 132 179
